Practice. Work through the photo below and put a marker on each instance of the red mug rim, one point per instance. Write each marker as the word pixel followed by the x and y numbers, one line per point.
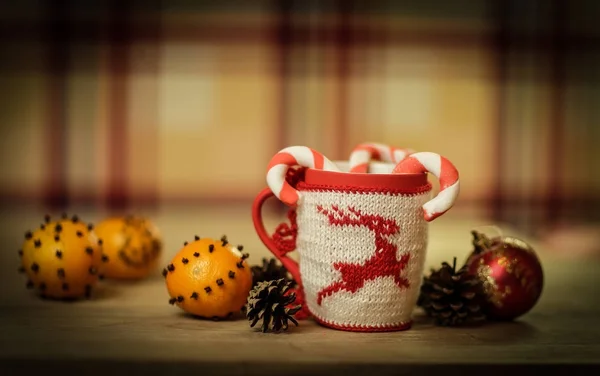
pixel 381 182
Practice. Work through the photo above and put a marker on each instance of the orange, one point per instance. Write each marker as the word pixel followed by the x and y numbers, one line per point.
pixel 209 278
pixel 62 259
pixel 133 246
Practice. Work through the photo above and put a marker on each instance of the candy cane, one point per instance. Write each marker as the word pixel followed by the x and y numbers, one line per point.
pixel 364 153
pixel 293 156
pixel 444 170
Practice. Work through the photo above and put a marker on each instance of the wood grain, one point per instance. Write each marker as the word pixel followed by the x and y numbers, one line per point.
pixel 130 327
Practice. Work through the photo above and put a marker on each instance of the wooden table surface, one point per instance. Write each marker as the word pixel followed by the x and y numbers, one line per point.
pixel 130 327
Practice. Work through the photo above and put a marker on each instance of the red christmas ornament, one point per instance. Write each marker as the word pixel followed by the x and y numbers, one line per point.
pixel 510 272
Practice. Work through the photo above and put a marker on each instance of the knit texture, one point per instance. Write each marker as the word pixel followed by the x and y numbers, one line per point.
pixel 361 257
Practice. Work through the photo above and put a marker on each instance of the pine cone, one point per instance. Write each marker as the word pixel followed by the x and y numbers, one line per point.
pixel 452 297
pixel 268 302
pixel 270 270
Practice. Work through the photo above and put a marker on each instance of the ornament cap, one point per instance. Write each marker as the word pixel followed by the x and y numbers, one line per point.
pixel 480 242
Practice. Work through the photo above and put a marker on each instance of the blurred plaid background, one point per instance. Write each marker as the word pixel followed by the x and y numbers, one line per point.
pixel 125 104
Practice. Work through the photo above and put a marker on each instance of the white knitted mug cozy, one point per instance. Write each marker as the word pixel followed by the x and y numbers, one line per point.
pixel 361 241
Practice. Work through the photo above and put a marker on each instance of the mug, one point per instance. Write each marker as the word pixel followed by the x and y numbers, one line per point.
pixel 361 239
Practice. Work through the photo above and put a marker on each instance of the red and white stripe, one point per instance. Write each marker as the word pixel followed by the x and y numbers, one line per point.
pixel 293 156
pixel 446 173
pixel 364 153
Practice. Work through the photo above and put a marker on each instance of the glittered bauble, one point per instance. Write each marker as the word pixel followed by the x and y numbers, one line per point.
pixel 133 246
pixel 62 258
pixel 209 278
pixel 510 272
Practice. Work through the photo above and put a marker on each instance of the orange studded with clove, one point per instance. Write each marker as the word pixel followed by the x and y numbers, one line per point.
pixel 61 259
pixel 209 278
pixel 132 245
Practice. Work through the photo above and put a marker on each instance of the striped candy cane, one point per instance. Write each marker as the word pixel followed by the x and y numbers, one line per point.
pixel 293 156
pixel 444 170
pixel 364 153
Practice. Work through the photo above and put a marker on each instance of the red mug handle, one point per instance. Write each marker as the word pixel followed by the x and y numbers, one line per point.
pixel 290 264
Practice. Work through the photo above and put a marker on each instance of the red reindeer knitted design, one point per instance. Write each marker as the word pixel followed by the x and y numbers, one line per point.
pixel 383 263
pixel 361 255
